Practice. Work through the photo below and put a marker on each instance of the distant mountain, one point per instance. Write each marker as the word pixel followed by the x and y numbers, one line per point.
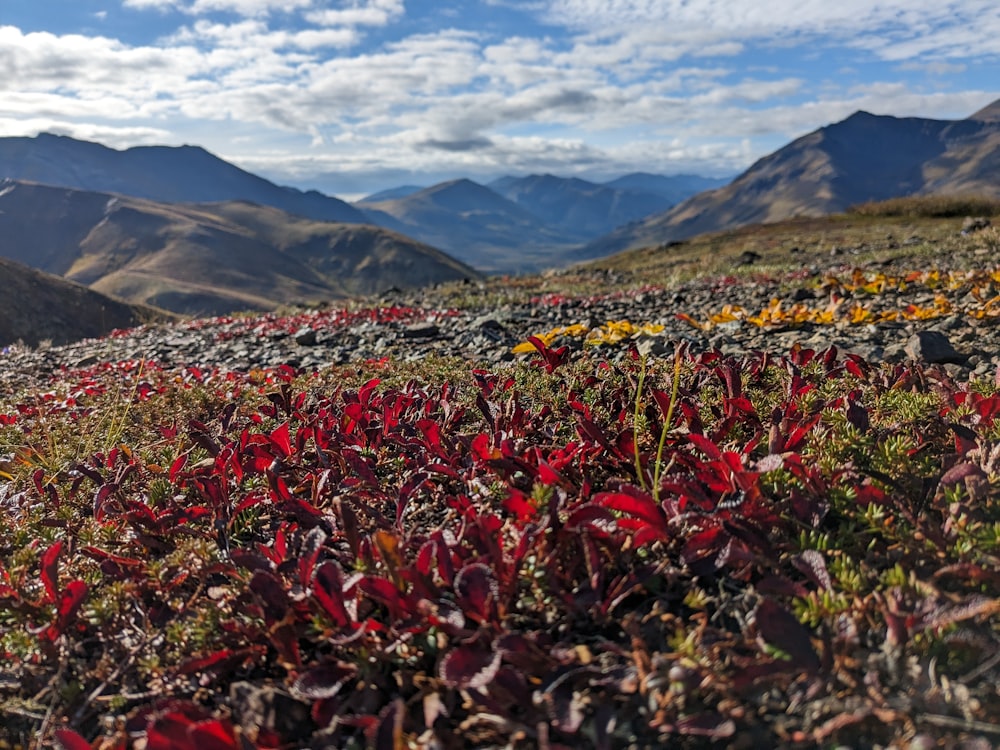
pixel 578 207
pixel 206 258
pixel 38 306
pixel 391 193
pixel 183 174
pixel 674 188
pixel 866 157
pixel 475 225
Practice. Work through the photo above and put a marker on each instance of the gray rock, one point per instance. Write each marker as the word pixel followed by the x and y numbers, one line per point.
pixel 421 331
pixel 305 337
pixel 932 347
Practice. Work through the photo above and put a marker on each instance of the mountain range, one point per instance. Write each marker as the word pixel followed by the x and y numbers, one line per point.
pixel 522 224
pixel 182 230
pixel 863 158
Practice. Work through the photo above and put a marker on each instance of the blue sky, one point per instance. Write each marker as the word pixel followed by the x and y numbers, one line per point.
pixel 350 96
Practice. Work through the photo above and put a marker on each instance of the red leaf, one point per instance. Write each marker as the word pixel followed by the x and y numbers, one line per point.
pixel 705 445
pixel 811 563
pixel 548 475
pixel 593 518
pixel 640 507
pixel 177 465
pixel 328 589
pixel 477 591
pixel 780 628
pixel 50 570
pixel 71 599
pixel 70 740
pixel 323 681
pixel 220 661
pixel 272 595
pixel 470 666
pixel 101 498
pixel 281 440
pixel 214 735
pixel 384 591
pixel 520 505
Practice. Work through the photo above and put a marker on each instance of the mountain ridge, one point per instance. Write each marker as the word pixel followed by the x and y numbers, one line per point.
pixel 172 174
pixel 863 158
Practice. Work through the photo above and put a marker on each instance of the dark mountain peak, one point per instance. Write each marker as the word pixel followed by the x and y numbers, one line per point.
pixel 462 195
pixel 989 113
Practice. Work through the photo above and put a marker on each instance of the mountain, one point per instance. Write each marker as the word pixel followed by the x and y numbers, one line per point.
pixel 578 207
pixel 38 306
pixel 391 193
pixel 674 188
pixel 206 258
pixel 863 158
pixel 475 225
pixel 183 174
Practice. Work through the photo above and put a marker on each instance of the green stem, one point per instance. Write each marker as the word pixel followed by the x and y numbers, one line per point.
pixel 658 466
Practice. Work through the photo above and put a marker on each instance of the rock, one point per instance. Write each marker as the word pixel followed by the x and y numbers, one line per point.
pixel 932 347
pixel 747 258
pixel 974 224
pixel 421 331
pixel 305 337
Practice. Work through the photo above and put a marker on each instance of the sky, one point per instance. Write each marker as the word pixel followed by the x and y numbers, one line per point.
pixel 353 96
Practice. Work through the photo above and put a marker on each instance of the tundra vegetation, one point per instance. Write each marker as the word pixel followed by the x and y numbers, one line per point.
pixel 589 547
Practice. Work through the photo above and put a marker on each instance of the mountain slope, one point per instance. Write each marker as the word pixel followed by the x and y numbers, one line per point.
pixel 475 225
pixel 865 157
pixel 185 174
pixel 206 258
pixel 38 306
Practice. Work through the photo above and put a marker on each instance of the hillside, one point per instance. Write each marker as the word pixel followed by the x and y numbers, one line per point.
pixel 37 307
pixel 206 258
pixel 183 174
pixel 475 225
pixel 866 157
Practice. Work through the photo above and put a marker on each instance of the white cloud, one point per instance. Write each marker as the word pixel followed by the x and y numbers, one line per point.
pixel 374 13
pixel 353 85
pixel 250 8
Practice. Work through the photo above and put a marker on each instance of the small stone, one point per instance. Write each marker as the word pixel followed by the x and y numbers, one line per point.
pixel 932 347
pixel 421 331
